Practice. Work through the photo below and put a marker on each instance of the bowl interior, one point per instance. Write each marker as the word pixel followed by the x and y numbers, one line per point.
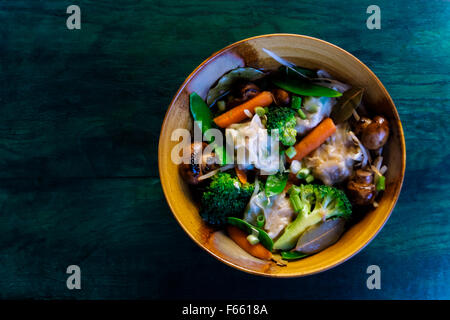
pixel 307 52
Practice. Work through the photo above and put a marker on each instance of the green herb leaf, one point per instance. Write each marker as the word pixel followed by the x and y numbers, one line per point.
pixel 349 101
pixel 225 83
pixel 275 184
pixel 263 237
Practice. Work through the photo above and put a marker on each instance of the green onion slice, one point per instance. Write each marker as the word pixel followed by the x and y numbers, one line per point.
pixel 291 152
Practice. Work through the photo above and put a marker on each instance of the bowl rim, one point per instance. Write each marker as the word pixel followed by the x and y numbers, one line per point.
pixel 318 269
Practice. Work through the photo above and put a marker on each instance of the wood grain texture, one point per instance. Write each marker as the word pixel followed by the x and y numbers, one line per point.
pixel 81 114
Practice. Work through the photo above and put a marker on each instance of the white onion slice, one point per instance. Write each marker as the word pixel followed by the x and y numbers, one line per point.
pixel 376 171
pixel 366 155
pixel 295 166
pixel 356 115
pixel 378 162
pixel 248 113
pixel 208 175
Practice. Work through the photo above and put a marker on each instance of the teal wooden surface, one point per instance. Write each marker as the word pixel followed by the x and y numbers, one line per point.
pixel 79 125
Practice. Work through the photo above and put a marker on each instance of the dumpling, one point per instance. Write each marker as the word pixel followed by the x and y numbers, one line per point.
pixel 333 161
pixel 315 109
pixel 254 147
pixel 277 211
pixel 279 216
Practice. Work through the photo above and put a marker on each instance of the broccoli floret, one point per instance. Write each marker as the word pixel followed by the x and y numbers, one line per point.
pixel 331 203
pixel 283 119
pixel 224 197
pixel 307 196
pixel 317 203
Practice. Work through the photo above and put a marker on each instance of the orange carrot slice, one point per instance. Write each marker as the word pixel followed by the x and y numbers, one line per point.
pixel 240 237
pixel 238 113
pixel 314 139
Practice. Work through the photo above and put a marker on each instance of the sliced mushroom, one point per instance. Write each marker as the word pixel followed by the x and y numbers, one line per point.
pixel 281 97
pixel 361 189
pixel 199 163
pixel 245 92
pixel 363 176
pixel 375 134
pixel 249 90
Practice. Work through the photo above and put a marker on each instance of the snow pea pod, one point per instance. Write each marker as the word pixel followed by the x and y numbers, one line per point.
pixel 302 86
pixel 275 184
pixel 292 255
pixel 201 112
pixel 222 154
pixel 263 237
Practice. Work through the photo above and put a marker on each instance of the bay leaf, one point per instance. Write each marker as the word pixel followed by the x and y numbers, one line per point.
pixel 320 236
pixel 350 100
pixel 225 83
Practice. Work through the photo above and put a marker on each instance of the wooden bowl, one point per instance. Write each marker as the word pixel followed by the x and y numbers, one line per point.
pixel 311 53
